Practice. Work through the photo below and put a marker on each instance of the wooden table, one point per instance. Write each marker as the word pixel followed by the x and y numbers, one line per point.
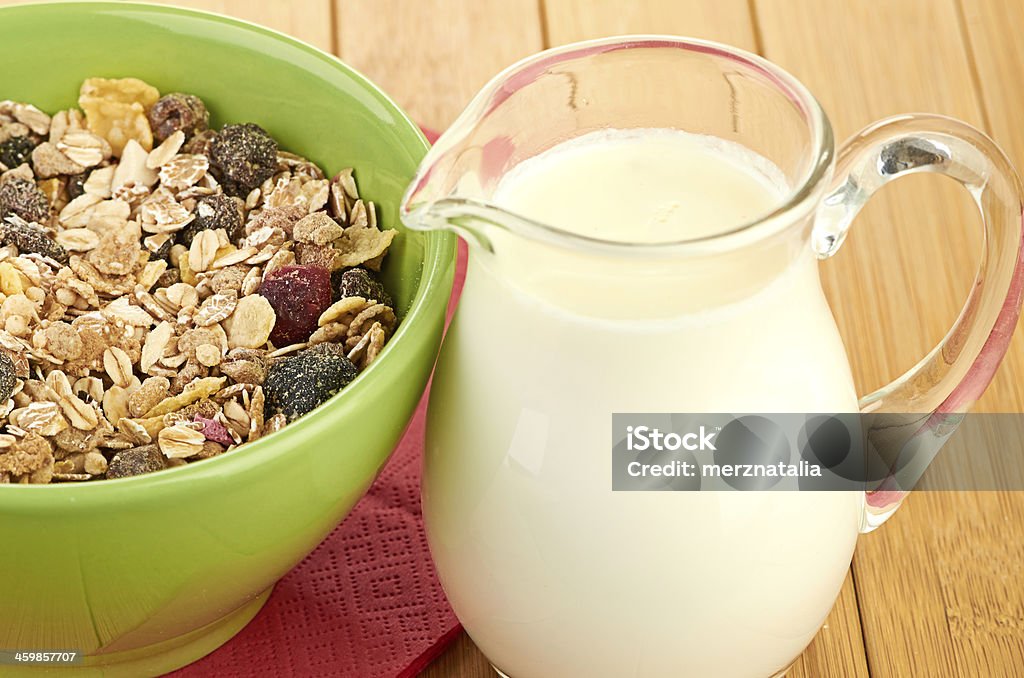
pixel 939 591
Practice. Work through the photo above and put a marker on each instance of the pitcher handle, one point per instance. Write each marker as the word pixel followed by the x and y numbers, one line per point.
pixel 954 374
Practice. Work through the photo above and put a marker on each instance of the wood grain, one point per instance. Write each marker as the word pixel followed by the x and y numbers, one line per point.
pixel 308 20
pixel 927 605
pixel 902 277
pixel 939 589
pixel 726 21
pixel 433 56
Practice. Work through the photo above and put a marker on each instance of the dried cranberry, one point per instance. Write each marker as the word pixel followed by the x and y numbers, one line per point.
pixel 298 294
pixel 214 430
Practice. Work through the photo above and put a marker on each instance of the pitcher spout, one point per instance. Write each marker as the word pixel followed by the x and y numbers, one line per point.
pixel 471 220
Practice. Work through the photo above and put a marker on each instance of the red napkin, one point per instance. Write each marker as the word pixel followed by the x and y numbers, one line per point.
pixel 366 603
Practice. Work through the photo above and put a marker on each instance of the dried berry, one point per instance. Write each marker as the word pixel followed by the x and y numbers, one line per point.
pixel 200 143
pixel 298 384
pixel 164 252
pixel 358 282
pixel 213 212
pixel 298 295
pixel 15 151
pixel 136 461
pixel 76 184
pixel 29 238
pixel 177 111
pixel 138 340
pixel 214 430
pixel 22 197
pixel 242 157
pixel 8 377
pixel 324 348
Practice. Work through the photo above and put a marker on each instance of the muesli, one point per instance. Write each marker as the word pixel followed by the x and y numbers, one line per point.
pixel 169 292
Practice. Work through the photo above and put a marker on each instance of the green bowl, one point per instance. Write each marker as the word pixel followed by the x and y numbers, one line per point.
pixel 149 573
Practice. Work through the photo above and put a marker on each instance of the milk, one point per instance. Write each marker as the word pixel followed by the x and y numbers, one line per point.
pixel 552 573
pixel 643 186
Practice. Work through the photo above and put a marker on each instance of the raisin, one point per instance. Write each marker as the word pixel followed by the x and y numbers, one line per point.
pixel 358 282
pixel 242 157
pixel 76 184
pixel 164 251
pixel 15 151
pixel 298 384
pixel 213 212
pixel 178 112
pixel 8 377
pixel 136 461
pixel 200 143
pixel 30 238
pixel 298 295
pixel 22 197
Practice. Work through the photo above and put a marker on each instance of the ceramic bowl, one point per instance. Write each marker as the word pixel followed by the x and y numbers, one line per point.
pixel 146 574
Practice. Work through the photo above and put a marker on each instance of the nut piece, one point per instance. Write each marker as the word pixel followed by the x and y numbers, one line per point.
pixel 152 391
pixel 180 441
pixel 159 306
pixel 132 169
pixel 318 229
pixel 95 464
pixel 251 323
pixel 48 162
pixel 160 155
pixel 136 461
pixel 156 342
pixel 361 245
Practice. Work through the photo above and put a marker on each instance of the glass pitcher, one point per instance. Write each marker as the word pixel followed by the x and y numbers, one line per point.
pixel 551 572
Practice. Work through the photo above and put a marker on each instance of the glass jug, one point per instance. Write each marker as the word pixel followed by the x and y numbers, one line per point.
pixel 551 572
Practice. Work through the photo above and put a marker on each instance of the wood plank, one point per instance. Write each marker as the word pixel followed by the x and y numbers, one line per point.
pixel 838 649
pixel 725 21
pixel 995 612
pixel 901 279
pixel 432 56
pixel 991 28
pixel 308 20
pixel 929 604
pixel 461 660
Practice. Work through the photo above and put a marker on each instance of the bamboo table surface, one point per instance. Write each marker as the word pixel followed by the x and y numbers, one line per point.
pixel 939 590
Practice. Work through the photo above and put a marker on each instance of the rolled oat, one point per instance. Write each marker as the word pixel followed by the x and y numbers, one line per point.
pixel 149 264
